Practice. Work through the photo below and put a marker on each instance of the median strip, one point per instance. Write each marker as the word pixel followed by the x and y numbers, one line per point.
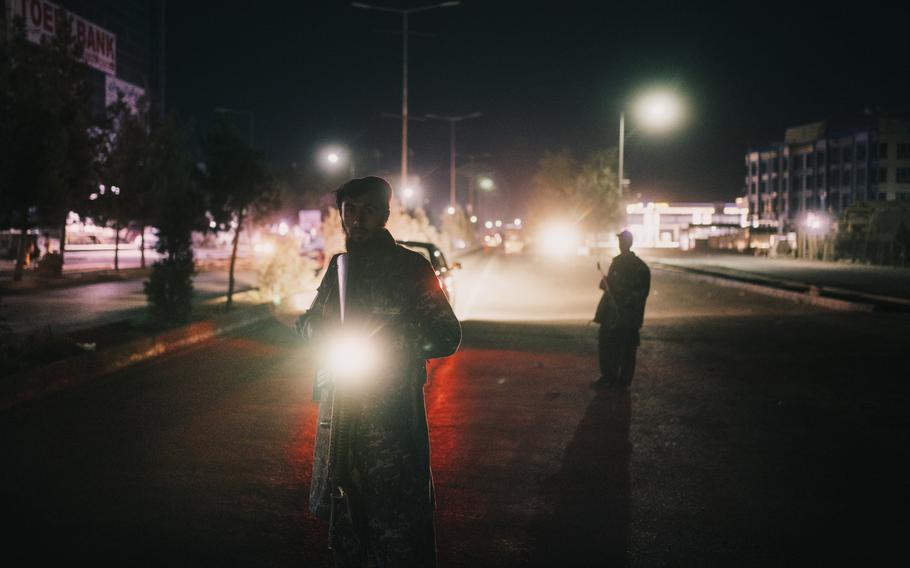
pixel 38 382
pixel 811 296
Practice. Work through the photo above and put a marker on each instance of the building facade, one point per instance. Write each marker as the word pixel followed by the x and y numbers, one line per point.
pixel 678 225
pixel 123 43
pixel 825 167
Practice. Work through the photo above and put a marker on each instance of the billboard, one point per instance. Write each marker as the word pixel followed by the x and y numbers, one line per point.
pixel 99 45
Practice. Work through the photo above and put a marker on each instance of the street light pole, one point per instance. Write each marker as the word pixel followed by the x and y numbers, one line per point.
pixel 473 178
pixel 452 120
pixel 658 110
pixel 404 70
pixel 404 101
pixel 622 140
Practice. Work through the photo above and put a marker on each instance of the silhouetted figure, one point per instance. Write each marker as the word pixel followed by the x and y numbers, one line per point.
pixel 620 314
pixel 371 468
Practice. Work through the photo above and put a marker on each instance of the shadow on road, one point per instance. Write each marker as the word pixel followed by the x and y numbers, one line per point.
pixel 594 483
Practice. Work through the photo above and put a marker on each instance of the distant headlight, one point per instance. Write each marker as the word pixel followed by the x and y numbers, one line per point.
pixel 560 239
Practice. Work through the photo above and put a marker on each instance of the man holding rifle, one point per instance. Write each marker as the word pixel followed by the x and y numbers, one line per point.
pixel 620 314
pixel 380 313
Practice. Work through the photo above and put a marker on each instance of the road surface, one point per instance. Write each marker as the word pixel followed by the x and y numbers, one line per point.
pixel 81 307
pixel 757 432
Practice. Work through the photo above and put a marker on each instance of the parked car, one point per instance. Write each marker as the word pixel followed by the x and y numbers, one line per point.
pixel 444 271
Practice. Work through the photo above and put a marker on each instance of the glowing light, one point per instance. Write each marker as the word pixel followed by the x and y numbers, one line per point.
pixel 283 228
pixel 816 222
pixel 488 224
pixel 450 210
pixel 517 222
pixel 408 192
pixel 659 110
pixel 559 239
pixel 332 158
pixel 493 240
pixel 212 224
pixel 498 222
pixel 486 184
pixel 264 249
pixel 351 359
pixel 473 218
pixel 93 196
pixel 115 190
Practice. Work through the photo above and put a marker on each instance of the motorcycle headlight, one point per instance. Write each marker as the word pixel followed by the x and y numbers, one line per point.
pixel 351 358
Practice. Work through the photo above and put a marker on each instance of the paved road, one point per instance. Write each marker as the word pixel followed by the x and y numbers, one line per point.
pixel 758 432
pixel 81 307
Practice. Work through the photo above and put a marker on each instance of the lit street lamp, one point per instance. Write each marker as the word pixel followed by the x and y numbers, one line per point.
pixel 658 110
pixel 404 70
pixel 335 158
pixel 486 184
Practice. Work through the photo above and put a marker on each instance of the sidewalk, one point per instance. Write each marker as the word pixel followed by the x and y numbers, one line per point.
pixel 32 282
pixel 885 287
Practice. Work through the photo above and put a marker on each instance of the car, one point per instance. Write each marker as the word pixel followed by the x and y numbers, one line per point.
pixel 444 271
pixel 514 242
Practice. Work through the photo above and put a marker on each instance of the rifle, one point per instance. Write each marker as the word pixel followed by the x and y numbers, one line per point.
pixel 331 486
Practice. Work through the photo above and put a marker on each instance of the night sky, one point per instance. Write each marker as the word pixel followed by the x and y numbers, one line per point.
pixel 545 75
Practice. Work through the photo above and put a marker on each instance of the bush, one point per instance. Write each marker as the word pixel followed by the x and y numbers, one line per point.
pixel 169 288
pixel 284 272
pixel 51 264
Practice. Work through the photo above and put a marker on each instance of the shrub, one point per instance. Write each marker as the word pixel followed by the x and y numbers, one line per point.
pixel 284 272
pixel 169 288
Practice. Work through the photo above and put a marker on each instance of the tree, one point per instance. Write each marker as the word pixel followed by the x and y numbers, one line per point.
pixel 50 167
pixel 130 168
pixel 237 183
pixel 586 192
pixel 180 210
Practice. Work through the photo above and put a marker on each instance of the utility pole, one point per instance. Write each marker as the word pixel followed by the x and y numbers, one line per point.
pixel 404 70
pixel 452 120
pixel 473 177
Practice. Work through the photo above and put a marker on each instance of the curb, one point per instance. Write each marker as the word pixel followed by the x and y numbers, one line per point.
pixel 808 298
pixel 33 384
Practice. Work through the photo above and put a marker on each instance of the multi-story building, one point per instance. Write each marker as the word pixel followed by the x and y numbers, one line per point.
pixel 123 42
pixel 826 167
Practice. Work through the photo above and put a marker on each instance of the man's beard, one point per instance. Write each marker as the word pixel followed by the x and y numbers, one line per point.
pixel 361 243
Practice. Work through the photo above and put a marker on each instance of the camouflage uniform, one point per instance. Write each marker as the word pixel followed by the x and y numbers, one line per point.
pixel 628 284
pixel 394 295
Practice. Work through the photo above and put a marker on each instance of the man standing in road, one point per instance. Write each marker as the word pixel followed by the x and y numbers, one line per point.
pixel 620 314
pixel 390 297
